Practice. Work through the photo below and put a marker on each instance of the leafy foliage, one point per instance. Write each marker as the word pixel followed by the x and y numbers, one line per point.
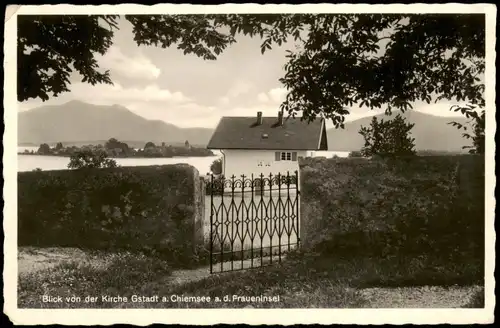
pixel 51 47
pixel 117 148
pixel 478 121
pixel 44 149
pixel 90 159
pixel 355 153
pixel 388 138
pixel 343 62
pixel 426 208
pixel 151 151
pixel 149 209
pixel 149 144
pixel 375 60
pixel 216 166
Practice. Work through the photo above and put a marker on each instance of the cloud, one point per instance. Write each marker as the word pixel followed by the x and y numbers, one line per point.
pixel 190 114
pixel 266 109
pixel 278 95
pixel 224 100
pixel 150 102
pixel 137 66
pixel 105 94
pixel 262 97
pixel 116 94
pixel 438 109
pixel 237 89
pixel 275 96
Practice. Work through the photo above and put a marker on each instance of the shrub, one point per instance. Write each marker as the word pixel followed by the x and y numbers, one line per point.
pixel 146 208
pixel 149 144
pixel 215 186
pixel 355 153
pixel 44 149
pixel 429 152
pixel 427 206
pixel 90 159
pixel 388 138
pixel 216 166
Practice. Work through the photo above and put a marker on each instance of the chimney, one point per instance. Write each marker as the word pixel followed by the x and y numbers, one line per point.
pixel 280 118
pixel 259 118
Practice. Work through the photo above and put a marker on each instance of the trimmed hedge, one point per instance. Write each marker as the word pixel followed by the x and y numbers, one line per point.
pixel 416 207
pixel 140 208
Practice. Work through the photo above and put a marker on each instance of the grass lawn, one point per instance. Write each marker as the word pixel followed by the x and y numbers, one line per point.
pixel 308 281
pixel 303 281
pixel 97 274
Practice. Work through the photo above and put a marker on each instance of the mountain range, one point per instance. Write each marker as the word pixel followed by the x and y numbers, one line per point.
pixel 430 132
pixel 77 122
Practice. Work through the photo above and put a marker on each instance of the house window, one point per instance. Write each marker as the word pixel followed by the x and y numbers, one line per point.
pixel 286 156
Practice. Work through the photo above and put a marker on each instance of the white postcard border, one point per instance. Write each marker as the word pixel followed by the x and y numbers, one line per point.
pixel 249 316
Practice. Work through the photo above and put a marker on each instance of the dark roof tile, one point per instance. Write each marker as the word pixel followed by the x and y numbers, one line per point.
pixel 244 133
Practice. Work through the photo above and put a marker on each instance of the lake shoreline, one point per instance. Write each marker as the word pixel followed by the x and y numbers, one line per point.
pixel 115 157
pixel 31 162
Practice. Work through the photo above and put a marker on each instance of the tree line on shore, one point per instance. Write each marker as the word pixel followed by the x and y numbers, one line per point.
pixel 117 149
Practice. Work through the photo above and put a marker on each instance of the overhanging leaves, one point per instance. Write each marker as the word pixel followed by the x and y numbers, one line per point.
pixel 373 60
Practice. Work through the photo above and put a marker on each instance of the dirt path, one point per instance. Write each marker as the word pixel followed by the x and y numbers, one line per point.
pixel 187 276
pixel 31 259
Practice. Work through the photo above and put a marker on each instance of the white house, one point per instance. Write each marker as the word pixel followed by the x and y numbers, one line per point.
pixel 266 145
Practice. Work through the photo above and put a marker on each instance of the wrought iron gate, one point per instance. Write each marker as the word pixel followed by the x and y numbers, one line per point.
pixel 254 221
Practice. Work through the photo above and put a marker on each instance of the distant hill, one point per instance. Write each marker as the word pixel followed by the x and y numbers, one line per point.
pixel 430 132
pixel 80 123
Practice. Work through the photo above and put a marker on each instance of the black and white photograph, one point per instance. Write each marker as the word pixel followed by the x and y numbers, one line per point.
pixel 248 157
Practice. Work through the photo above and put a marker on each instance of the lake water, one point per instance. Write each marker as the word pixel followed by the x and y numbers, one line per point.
pixel 202 164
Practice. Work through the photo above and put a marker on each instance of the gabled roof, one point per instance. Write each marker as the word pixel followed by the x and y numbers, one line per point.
pixel 244 133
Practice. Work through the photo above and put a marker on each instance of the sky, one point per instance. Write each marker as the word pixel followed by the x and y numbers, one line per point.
pixel 165 84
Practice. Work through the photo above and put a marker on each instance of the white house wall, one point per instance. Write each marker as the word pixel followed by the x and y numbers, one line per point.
pixel 246 162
